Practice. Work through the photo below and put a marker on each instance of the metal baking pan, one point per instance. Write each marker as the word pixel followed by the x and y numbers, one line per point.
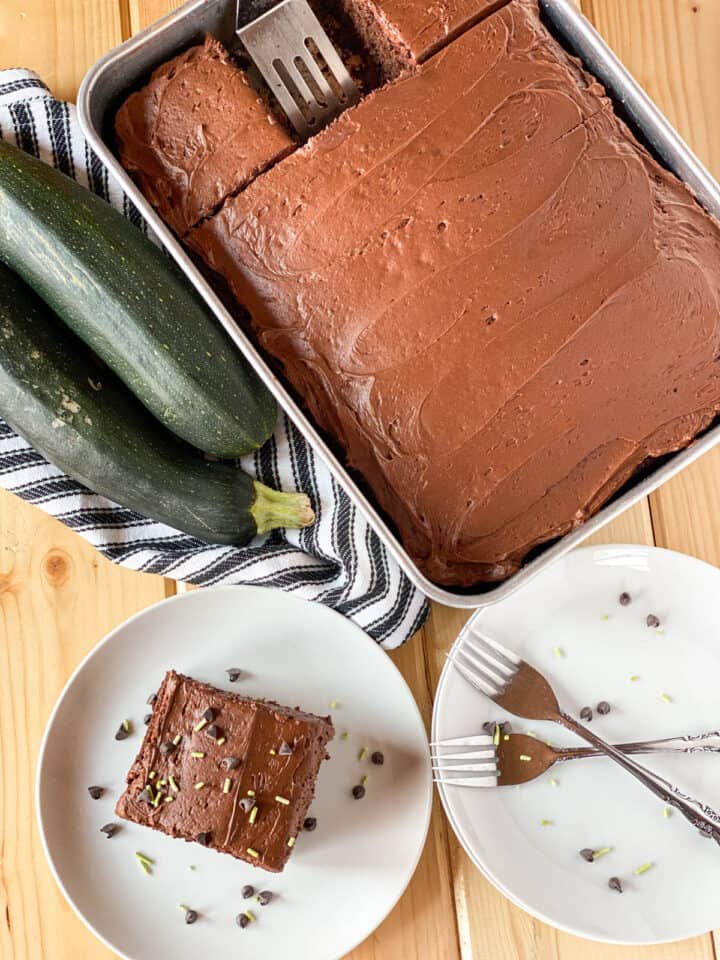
pixel 128 65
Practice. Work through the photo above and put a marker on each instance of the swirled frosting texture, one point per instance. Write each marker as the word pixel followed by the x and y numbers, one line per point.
pixel 489 293
pixel 196 133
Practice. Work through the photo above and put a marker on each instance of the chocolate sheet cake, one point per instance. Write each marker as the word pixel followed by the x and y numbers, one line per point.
pixel 487 291
pixel 231 773
pixel 196 133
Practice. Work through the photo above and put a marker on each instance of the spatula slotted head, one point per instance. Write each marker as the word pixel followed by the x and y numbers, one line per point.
pixel 299 64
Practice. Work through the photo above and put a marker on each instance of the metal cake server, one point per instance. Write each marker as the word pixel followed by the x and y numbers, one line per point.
pixel 507 760
pixel 297 61
pixel 522 690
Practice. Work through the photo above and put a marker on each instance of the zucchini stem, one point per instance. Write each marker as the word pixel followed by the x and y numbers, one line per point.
pixel 272 509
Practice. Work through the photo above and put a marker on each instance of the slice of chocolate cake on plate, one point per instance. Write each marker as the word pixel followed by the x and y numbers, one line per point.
pixel 226 771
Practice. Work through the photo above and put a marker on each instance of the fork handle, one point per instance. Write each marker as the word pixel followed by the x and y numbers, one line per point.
pixel 701 816
pixel 692 743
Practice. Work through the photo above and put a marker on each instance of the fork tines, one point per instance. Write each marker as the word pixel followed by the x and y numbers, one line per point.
pixel 484 663
pixel 471 764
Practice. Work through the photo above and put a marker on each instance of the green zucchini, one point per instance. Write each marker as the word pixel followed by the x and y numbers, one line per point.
pixel 128 301
pixel 87 423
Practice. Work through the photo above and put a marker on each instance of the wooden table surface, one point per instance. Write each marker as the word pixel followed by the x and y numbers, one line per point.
pixel 58 597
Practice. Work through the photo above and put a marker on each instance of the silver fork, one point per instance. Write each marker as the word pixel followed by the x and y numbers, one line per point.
pixel 521 690
pixel 297 61
pixel 479 762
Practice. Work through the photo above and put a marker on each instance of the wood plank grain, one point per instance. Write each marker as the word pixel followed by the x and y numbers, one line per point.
pixel 59 39
pixel 58 597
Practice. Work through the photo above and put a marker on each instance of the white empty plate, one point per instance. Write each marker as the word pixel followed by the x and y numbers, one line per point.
pixel 573 605
pixel 342 879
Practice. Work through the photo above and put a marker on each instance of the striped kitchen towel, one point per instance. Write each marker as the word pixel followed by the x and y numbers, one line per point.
pixel 338 561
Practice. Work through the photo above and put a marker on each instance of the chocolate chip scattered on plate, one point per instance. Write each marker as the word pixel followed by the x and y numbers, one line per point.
pixel 309 824
pixel 151 699
pixel 234 674
pixel 110 829
pixel 248 891
pixel 358 792
pixel 615 883
pixel 624 599
pixel 242 920
pixel 123 731
pixel 190 916
pixel 652 621
pixel 96 792
pixel 264 897
pixel 203 838
pixel 147 718
pixel 378 758
pixel 586 714
pixel 587 854
pixel 603 708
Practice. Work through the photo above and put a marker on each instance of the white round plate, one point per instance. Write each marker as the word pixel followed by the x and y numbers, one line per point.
pixel 573 605
pixel 341 880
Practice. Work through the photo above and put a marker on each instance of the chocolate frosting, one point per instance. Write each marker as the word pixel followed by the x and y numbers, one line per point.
pixel 251 729
pixel 489 293
pixel 196 133
pixel 426 25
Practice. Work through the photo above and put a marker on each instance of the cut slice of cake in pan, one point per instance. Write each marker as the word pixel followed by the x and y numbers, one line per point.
pixel 226 771
pixel 197 133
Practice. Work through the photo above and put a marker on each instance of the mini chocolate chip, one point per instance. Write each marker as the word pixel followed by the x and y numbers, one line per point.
pixel 615 883
pixel 264 897
pixel 246 804
pixel 109 829
pixel 309 824
pixel 285 749
pixel 209 715
pixel 190 916
pixel 378 758
pixel 491 725
pixel 586 714
pixel 241 920
pixel 358 792
pixel 203 838
pixel 234 674
pixel 151 699
pixel 96 792
pixel 624 599
pixel 652 621
pixel 213 731
pixel 603 708
pixel 167 748
pixel 230 763
pixel 147 718
pixel 247 891
pixel 122 733
pixel 145 796
pixel 587 854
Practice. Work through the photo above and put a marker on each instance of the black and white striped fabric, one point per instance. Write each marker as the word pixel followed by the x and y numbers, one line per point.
pixel 338 561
